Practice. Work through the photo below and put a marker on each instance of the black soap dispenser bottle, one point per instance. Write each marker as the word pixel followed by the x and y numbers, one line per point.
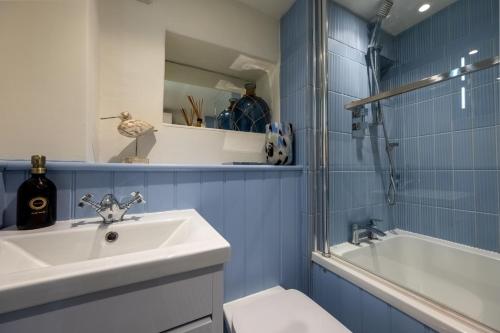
pixel 36 198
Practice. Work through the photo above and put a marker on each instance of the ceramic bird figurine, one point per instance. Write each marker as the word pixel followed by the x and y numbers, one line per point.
pixel 133 128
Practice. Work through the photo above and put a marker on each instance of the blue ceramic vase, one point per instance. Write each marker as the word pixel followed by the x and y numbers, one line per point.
pixel 225 119
pixel 251 113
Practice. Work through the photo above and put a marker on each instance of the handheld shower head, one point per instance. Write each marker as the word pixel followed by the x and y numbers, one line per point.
pixel 382 13
pixel 384 8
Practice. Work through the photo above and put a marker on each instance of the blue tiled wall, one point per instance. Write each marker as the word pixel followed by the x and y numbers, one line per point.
pixel 448 157
pixel 296 107
pixel 358 310
pixel 257 209
pixel 357 166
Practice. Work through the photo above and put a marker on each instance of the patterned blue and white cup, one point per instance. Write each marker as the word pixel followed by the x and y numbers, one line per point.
pixel 279 143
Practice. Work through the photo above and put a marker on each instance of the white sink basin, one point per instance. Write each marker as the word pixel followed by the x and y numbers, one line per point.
pixel 74 257
pixel 79 244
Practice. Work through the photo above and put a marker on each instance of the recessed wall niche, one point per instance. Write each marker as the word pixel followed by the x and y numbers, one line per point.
pixel 210 75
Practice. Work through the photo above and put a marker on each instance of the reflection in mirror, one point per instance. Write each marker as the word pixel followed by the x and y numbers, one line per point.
pixel 230 90
pixel 196 83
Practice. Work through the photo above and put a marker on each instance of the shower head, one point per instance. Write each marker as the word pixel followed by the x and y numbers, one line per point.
pixel 385 8
pixel 375 26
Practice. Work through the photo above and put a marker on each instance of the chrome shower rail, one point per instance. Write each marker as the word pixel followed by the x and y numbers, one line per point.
pixel 478 66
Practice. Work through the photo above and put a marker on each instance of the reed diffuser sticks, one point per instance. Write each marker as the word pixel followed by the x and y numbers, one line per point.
pixel 196 111
pixel 187 119
pixel 197 107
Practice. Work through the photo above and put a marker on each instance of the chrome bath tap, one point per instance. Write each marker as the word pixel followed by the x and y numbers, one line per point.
pixel 110 209
pixel 366 232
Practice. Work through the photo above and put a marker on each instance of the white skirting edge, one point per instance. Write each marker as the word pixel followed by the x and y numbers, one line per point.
pixel 427 312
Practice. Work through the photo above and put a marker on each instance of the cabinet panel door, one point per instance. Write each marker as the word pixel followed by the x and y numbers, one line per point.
pixel 148 307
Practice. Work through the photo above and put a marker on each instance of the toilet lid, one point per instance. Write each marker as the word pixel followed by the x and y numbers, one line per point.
pixel 289 311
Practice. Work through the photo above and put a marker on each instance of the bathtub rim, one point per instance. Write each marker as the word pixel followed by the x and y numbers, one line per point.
pixel 431 314
pixel 344 248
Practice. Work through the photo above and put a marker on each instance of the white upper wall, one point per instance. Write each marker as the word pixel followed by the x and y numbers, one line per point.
pixel 48 81
pixel 92 81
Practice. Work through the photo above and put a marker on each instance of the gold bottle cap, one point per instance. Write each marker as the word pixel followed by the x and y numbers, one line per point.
pixel 38 164
pixel 250 89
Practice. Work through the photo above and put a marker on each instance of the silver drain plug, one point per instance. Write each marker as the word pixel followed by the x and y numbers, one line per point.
pixel 111 236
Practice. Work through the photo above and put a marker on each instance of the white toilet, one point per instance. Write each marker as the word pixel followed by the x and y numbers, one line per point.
pixel 277 310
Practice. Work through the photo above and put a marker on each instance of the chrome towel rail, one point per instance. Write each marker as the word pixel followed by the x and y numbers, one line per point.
pixel 478 66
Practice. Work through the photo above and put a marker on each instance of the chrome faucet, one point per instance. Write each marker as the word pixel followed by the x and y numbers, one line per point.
pixel 110 209
pixel 366 232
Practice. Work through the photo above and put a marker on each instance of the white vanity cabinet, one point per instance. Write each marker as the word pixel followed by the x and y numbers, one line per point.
pixel 161 272
pixel 186 303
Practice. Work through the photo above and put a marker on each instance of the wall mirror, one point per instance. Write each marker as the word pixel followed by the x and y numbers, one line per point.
pixel 210 86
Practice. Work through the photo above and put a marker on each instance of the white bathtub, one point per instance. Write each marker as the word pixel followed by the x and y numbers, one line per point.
pixel 449 287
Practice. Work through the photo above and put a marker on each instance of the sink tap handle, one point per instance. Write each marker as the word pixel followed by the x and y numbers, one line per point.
pixel 87 200
pixel 137 198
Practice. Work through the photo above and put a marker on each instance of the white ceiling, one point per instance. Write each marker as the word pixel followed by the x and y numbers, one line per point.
pixel 403 15
pixel 273 8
